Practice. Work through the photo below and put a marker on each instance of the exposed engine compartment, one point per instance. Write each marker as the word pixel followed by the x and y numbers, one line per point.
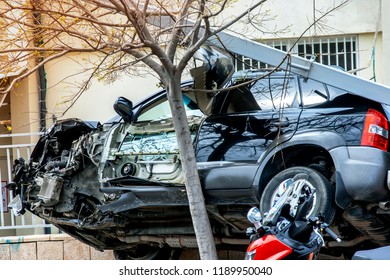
pixel 88 160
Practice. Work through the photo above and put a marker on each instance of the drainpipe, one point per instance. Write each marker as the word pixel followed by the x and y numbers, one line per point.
pixel 42 83
pixel 42 97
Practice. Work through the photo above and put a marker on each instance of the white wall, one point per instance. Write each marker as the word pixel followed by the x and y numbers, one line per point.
pixel 371 66
pixel 365 18
pixel 293 17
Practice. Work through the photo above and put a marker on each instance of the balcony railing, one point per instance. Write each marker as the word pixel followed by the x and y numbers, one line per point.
pixel 8 153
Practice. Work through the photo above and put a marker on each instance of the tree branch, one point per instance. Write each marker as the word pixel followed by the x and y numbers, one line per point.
pixel 33 69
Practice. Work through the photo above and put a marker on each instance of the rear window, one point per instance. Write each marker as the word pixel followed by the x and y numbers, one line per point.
pixel 274 93
pixel 269 93
pixel 313 92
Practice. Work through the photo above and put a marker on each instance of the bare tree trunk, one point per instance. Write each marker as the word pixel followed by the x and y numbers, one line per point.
pixel 201 223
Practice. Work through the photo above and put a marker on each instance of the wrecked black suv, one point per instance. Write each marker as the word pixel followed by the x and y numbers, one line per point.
pixel 120 185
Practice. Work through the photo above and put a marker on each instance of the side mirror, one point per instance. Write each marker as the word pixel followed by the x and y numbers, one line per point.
pixel 124 108
pixel 254 215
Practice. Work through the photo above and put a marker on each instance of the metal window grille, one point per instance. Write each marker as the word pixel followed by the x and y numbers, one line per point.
pixel 339 51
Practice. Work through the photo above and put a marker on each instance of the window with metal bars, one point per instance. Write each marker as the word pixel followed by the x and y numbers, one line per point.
pixel 340 51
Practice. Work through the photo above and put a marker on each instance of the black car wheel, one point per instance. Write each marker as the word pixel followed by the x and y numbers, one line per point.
pixel 146 252
pixel 307 178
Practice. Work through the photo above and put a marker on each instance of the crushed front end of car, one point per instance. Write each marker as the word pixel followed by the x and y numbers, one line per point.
pixel 94 181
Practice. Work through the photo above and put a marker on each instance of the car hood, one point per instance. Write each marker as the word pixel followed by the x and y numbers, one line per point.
pixel 212 75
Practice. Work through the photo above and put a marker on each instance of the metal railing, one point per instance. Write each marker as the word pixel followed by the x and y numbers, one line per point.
pixel 8 153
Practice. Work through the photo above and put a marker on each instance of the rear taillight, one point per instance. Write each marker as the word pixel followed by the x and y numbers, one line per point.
pixel 376 130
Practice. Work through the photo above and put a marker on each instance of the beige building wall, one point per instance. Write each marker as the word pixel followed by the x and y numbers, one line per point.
pixel 24 108
pixel 64 77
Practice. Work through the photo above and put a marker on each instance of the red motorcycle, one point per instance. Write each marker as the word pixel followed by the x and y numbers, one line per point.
pixel 286 233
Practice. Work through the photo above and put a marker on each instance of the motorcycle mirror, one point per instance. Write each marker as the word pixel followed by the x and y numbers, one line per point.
pixel 254 215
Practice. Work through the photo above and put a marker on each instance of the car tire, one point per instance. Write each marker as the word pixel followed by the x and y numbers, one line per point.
pixel 323 203
pixel 147 252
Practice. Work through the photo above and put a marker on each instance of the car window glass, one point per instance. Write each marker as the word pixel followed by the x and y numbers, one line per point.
pixel 160 109
pixel 157 110
pixel 313 92
pixel 274 93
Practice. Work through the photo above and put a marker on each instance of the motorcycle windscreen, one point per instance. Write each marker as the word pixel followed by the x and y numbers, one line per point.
pixel 211 76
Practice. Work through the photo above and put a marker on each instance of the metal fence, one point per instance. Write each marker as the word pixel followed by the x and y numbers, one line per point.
pixel 8 153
